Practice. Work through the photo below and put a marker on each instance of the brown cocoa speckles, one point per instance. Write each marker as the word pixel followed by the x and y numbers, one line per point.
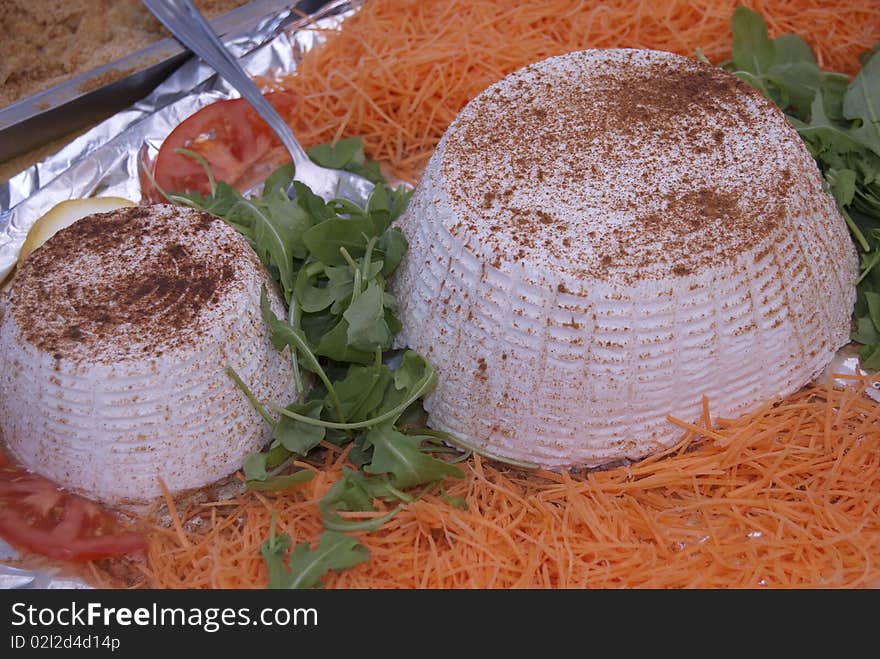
pixel 748 328
pixel 480 373
pixel 544 218
pixel 132 281
pixel 649 165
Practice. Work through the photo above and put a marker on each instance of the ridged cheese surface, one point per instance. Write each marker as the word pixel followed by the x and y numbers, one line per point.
pixel 114 343
pixel 603 238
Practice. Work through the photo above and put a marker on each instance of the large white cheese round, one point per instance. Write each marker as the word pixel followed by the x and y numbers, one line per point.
pixel 114 342
pixel 604 238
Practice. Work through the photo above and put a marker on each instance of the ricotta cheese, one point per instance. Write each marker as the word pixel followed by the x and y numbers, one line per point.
pixel 114 342
pixel 602 239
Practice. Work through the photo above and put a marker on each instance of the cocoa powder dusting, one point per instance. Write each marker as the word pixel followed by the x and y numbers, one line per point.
pixel 621 165
pixel 136 280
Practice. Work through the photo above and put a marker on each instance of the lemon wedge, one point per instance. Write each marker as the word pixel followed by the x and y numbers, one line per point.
pixel 62 215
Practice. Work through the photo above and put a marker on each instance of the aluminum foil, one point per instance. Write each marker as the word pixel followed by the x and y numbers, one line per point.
pixel 846 362
pixel 104 162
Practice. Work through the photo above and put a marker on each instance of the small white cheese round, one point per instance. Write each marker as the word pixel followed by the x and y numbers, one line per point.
pixel 114 342
pixel 604 238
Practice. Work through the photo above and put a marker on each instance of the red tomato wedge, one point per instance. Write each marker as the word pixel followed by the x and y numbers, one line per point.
pixel 38 516
pixel 237 144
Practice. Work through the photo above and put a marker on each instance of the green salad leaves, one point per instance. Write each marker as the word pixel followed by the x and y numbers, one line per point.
pixel 839 120
pixel 304 566
pixel 331 261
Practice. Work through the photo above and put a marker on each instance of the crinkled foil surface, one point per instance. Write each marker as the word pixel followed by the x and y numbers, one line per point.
pixel 104 161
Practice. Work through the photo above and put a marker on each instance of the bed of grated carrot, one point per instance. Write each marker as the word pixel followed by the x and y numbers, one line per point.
pixel 788 496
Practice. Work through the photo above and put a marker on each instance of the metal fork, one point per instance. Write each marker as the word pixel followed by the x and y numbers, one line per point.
pixel 188 25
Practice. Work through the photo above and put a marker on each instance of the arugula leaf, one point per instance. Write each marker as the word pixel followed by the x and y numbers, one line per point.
pixel 861 103
pixel 306 566
pixel 791 76
pixel 869 356
pixel 254 467
pixel 843 185
pixel 360 454
pixel 282 334
pixel 312 204
pixel 335 551
pixel 790 49
pixel 367 329
pixel 392 246
pixel 866 333
pixel 794 85
pixel 325 240
pixel 340 282
pixel 412 371
pixel 310 296
pixel 379 208
pixel 334 345
pixel 279 180
pixel 833 90
pixel 753 51
pixel 784 69
pixel 331 286
pixel 822 133
pixel 355 491
pixel 294 435
pixel 219 202
pixel 362 390
pixel 274 549
pixel 401 455
pixel 273 233
pixel 347 154
pixel 457 502
pixel 290 220
pixel 400 197
pixel 873 302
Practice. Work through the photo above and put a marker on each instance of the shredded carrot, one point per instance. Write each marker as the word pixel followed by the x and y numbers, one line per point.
pixel 777 498
pixel 400 70
pixel 172 511
pixel 788 496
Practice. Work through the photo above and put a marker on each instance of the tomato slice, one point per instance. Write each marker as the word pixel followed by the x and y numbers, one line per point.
pixel 237 144
pixel 38 516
